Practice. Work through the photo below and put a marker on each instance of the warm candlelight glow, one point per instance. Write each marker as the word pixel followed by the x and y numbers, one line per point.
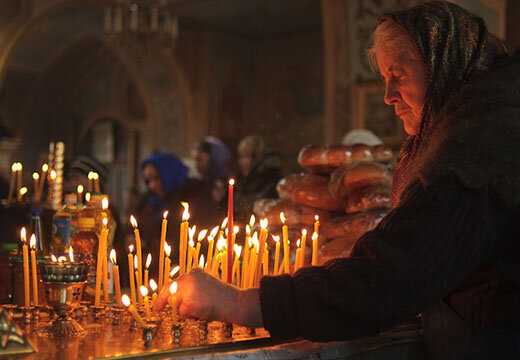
pixel 263 223
pixel 221 244
pixel 248 230
pixel 224 223
pixel 35 176
pixel 133 221
pixel 165 214
pixel 62 259
pixel 113 256
pixel 174 271
pixel 53 174
pixel 153 285
pixel 202 234
pixel 148 261
pixel 71 254
pixel 191 233
pixel 104 203
pixel 213 232
pixel 136 264
pixel 167 249
pixel 186 212
pixel 32 242
pixel 14 167
pixel 45 167
pixel 298 242
pixel 173 288
pixel 252 221
pixel 231 182
pixel 201 262
pixel 90 175
pixel 236 229
pixel 23 191
pixel 87 197
pixel 53 258
pixel 276 238
pixel 316 218
pixel 23 235
pixel 143 290
pixel 130 248
pixel 95 176
pixel 105 223
pixel 282 217
pixel 314 236
pixel 80 189
pixel 125 300
pixel 238 250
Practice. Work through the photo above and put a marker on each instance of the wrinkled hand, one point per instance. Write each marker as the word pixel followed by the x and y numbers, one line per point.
pixel 202 296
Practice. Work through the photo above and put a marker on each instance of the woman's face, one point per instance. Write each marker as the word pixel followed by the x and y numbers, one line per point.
pixel 404 75
pixel 152 180
pixel 201 161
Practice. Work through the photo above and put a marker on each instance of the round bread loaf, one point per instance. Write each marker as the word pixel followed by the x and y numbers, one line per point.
pixel 324 159
pixel 377 196
pixel 351 226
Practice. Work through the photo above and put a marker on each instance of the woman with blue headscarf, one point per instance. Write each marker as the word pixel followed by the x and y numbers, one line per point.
pixel 167 182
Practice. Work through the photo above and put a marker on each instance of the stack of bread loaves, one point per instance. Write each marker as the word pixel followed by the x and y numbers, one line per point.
pixel 348 187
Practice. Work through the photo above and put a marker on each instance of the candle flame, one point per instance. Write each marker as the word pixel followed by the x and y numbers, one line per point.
pixel 53 175
pixel 95 176
pixel 238 250
pixel 248 229
pixel 32 241
pixel 20 166
pixel 133 221
pixel 53 258
pixel 263 223
pixel 236 229
pixel 113 256
pixel 316 218
pixel 202 234
pixel 71 254
pixel 136 265
pixel 80 189
pixel 252 221
pixel 105 221
pixel 153 285
pixel 221 244
pixel 90 175
pixel 62 259
pixel 191 243
pixel 173 288
pixel 231 182
pixel 304 232
pixel 314 236
pixel 213 232
pixel 201 262
pixel 125 300
pixel 35 176
pixel 45 167
pixel 130 248
pixel 191 232
pixel 224 223
pixel 23 191
pixel 148 261
pixel 186 212
pixel 104 203
pixel 167 249
pixel 143 290
pixel 276 238
pixel 165 214
pixel 298 243
pixel 254 239
pixel 175 270
pixel 14 167
pixel 87 197
pixel 282 217
pixel 23 235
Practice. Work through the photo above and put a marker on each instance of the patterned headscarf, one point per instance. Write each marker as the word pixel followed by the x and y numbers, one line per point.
pixel 455 46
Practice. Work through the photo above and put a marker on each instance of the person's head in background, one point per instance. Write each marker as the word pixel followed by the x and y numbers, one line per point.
pixel 250 152
pixel 163 173
pixel 212 159
pixel 77 174
pixel 361 136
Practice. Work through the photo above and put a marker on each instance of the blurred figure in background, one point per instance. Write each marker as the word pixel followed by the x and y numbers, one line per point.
pixel 76 173
pixel 259 172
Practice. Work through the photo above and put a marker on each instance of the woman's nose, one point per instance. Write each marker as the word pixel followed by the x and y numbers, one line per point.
pixel 391 94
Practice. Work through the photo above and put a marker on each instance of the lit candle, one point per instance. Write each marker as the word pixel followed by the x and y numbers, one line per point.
pixel 316 224
pixel 298 255
pixel 153 287
pixel 211 240
pixel 253 260
pixel 315 258
pixel 201 262
pixel 224 261
pixel 71 254
pixel 90 181
pixel 167 260
pixel 164 227
pixel 36 178
pixel 245 258
pixel 144 294
pixel 138 282
pixel 183 240
pixel 276 254
pixel 262 238
pixel 138 250
pixel 25 255
pixel 216 262
pixel 285 238
pixel 236 264
pixel 32 243
pixel 200 237
pixel 191 247
pixel 131 273
pixel 230 243
pixel 265 261
pixel 43 178
pixel 115 273
pixel 172 300
pixel 21 193
pixel 97 187
pixel 303 247
pixel 172 274
pixel 79 191
pixel 132 309
pixel 99 264
pixel 53 175
pixel 146 267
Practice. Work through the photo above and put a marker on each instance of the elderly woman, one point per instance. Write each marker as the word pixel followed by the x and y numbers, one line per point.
pixel 449 248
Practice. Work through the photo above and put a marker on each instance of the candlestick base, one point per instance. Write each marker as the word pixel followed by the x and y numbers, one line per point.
pixel 227 330
pixel 176 332
pixel 27 314
pixel 148 334
pixel 116 313
pixel 98 312
pixel 202 330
